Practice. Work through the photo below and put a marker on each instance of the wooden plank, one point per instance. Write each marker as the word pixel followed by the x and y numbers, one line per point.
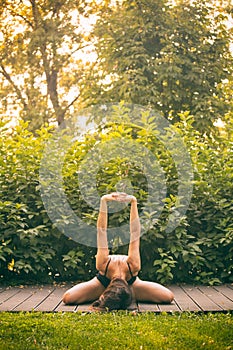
pixel 84 307
pixel 169 307
pixel 226 291
pixel 61 307
pixel 201 299
pixel 38 294
pixel 6 295
pixel 184 302
pixel 49 298
pixel 147 307
pixel 217 297
pixel 51 302
pixel 16 300
pixel 65 308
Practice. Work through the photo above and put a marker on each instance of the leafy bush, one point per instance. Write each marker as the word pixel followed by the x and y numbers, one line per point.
pixel 31 248
pixel 198 250
pixel 211 210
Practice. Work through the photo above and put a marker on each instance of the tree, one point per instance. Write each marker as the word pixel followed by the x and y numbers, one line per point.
pixel 39 65
pixel 171 57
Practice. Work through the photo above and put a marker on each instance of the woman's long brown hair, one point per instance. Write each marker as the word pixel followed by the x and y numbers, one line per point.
pixel 117 296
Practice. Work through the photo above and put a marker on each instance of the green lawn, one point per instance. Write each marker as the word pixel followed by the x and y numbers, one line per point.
pixel 121 330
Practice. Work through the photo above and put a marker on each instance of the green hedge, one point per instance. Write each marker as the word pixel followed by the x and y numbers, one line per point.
pixel 32 249
pixel 199 250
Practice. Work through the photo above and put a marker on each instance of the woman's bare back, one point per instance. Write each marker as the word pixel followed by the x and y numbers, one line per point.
pixel 117 266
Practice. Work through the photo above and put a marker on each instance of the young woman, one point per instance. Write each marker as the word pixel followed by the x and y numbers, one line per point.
pixel 117 284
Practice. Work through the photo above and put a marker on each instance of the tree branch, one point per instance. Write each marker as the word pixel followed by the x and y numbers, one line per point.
pixel 79 48
pixel 15 14
pixel 71 103
pixel 17 90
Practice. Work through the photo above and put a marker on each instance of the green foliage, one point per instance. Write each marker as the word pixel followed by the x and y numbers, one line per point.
pixel 119 330
pixel 211 210
pixel 171 57
pixel 201 247
pixel 39 61
pixel 30 247
pixel 198 250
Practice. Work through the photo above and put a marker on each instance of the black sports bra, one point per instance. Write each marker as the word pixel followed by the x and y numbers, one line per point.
pixel 104 280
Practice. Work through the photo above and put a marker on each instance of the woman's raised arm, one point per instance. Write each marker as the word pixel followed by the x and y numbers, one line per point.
pixel 134 246
pixel 102 240
pixel 102 223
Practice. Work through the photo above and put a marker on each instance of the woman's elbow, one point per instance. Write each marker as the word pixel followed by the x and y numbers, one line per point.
pixel 135 266
pixel 169 297
pixel 66 298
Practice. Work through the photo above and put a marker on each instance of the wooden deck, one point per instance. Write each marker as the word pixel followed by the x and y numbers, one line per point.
pixel 48 299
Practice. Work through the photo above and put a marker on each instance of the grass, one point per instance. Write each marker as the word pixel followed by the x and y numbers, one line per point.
pixel 121 330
